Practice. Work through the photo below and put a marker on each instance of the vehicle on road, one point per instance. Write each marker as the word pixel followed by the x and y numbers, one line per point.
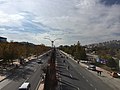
pixel 39 61
pixel 25 86
pixel 118 74
pixel 91 67
pixel 114 74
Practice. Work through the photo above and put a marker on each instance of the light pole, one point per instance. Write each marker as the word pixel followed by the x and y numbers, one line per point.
pixel 51 79
pixel 52 41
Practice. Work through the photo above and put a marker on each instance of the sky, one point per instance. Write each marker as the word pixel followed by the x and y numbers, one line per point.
pixel 87 21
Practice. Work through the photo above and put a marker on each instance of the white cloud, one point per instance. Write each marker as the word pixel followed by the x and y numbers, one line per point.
pixel 10 19
pixel 84 20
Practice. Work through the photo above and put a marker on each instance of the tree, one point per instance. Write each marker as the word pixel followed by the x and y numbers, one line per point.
pixel 111 63
pixel 14 50
pixel 77 51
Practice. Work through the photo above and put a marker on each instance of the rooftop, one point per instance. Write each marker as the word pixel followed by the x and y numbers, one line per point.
pixel 2 37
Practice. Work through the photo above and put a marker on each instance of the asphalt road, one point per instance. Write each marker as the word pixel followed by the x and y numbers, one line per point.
pixel 74 77
pixel 31 72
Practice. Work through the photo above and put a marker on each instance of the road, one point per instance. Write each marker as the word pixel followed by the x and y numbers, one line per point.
pixel 31 72
pixel 76 77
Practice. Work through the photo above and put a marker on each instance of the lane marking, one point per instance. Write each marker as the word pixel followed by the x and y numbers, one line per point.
pixel 70 75
pixel 60 83
pixel 78 88
pixel 27 79
pixel 83 76
pixel 34 70
pixel 91 85
pixel 95 89
pixel 87 80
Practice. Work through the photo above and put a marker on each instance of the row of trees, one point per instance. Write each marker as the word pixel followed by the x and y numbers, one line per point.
pixel 110 61
pixel 14 50
pixel 108 51
pixel 111 48
pixel 76 50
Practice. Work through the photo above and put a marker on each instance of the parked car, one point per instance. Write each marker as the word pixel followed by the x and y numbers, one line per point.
pixel 114 74
pixel 91 67
pixel 118 74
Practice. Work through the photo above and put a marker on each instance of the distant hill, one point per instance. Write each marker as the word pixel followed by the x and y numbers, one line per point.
pixel 111 48
pixel 107 44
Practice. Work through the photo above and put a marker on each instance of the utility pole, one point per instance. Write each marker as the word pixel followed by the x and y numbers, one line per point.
pixel 50 79
pixel 52 41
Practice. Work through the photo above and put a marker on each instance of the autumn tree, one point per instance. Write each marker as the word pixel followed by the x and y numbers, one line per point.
pixel 14 50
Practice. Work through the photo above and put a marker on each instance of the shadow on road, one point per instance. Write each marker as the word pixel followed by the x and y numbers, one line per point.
pixel 18 75
pixel 68 76
pixel 66 85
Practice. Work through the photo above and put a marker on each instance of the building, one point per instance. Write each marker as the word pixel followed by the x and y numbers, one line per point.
pixel 3 39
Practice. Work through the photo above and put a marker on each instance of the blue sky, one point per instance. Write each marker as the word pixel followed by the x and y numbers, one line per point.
pixel 87 21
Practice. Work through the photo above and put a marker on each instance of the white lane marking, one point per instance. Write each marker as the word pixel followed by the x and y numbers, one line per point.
pixel 91 85
pixel 60 83
pixel 83 76
pixel 27 79
pixel 87 80
pixel 34 70
pixel 78 88
pixel 66 68
pixel 70 75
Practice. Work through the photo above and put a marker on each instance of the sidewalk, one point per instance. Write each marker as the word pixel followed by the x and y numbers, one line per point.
pixel 41 86
pixel 2 77
pixel 105 76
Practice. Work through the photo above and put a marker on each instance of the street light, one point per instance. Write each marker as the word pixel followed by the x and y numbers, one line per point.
pixel 52 41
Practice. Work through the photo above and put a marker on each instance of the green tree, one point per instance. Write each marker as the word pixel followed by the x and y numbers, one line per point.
pixel 111 63
pixel 77 51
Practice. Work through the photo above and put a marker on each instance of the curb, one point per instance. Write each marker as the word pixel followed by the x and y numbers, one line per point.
pixel 5 77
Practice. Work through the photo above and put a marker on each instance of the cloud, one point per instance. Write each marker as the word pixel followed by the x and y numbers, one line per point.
pixel 10 19
pixel 88 21
pixel 91 19
pixel 110 2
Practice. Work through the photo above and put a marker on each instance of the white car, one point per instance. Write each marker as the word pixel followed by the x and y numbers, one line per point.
pixel 25 86
pixel 118 74
pixel 91 67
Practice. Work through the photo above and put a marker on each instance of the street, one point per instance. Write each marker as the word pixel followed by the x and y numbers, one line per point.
pixel 31 73
pixel 70 75
pixel 76 77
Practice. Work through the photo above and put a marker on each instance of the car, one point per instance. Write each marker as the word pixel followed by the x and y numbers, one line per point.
pixel 118 74
pixel 114 74
pixel 40 61
pixel 25 86
pixel 47 54
pixel 91 67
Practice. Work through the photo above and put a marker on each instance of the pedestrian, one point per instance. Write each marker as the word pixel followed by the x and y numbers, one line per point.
pixel 68 67
pixel 100 73
pixel 43 77
pixel 78 61
pixel 97 72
